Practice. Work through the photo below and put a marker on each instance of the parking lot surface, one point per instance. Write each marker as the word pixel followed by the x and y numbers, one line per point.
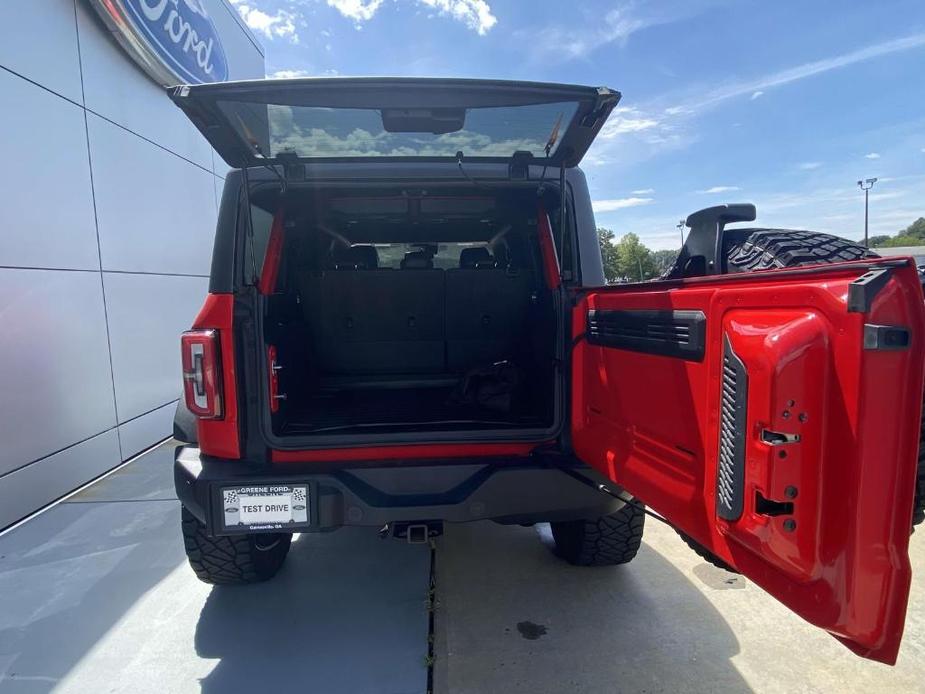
pixel 96 596
pixel 513 618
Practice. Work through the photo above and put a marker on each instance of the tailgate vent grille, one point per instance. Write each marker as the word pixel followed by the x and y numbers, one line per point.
pixel 679 334
pixel 730 474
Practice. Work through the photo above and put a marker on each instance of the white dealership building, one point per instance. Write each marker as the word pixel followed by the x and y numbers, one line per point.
pixel 110 206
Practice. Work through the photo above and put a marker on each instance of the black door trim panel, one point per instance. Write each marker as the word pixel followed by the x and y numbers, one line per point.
pixel 678 334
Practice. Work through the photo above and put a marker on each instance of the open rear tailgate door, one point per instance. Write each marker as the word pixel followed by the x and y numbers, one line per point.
pixel 774 418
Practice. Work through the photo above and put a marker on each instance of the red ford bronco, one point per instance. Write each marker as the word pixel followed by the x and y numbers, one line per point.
pixel 408 324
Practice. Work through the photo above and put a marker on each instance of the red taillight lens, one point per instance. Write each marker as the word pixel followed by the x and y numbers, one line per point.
pixel 202 373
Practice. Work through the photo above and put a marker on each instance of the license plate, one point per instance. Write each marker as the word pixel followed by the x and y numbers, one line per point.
pixel 271 507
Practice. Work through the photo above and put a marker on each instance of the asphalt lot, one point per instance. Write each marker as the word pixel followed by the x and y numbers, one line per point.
pixel 96 596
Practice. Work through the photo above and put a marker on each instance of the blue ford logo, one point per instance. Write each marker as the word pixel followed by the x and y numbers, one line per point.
pixel 174 41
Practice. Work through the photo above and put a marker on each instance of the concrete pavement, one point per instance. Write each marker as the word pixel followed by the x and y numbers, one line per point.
pixel 513 618
pixel 96 596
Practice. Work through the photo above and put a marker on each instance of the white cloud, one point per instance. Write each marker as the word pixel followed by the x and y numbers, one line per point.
pixel 755 95
pixel 799 72
pixel 835 208
pixel 626 119
pixel 872 155
pixel 810 165
pixel 618 204
pixel 357 10
pixel 475 14
pixel 281 24
pixel 719 189
pixel 890 195
pixel 616 26
pixel 289 74
pixel 644 191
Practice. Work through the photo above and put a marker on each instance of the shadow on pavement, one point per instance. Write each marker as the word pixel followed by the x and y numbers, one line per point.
pixel 347 613
pixel 512 617
pixel 69 576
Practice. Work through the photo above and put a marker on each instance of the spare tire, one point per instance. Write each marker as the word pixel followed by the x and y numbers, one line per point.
pixel 765 249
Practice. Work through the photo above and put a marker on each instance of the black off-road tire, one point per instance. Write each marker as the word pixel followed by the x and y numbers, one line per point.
pixel 704 553
pixel 605 541
pixel 765 249
pixel 234 559
pixel 918 509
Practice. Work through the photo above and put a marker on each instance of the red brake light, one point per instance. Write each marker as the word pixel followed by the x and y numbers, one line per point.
pixel 202 373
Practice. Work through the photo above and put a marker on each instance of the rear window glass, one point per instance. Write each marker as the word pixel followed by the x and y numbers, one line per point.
pixel 313 131
pixel 261 223
pixel 445 257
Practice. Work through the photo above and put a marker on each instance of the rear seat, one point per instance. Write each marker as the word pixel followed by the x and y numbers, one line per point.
pixel 367 320
pixel 487 310
pixel 416 320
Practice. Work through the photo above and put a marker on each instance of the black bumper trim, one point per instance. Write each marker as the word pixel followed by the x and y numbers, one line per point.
pixel 507 490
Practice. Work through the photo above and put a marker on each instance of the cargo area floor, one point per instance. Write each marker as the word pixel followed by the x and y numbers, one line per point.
pixel 378 409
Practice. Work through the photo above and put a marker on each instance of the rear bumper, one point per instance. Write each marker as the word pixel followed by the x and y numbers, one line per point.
pixel 506 490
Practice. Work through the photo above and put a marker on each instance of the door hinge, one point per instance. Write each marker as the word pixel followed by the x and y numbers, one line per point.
pixel 863 291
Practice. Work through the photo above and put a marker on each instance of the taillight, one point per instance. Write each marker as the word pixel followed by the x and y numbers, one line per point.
pixel 202 373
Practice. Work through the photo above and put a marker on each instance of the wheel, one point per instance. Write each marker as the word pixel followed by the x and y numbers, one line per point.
pixel 605 541
pixel 234 559
pixel 764 249
pixel 918 510
pixel 704 553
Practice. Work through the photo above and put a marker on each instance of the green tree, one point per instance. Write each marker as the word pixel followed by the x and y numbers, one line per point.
pixel 912 235
pixel 916 230
pixel 901 240
pixel 879 240
pixel 664 260
pixel 634 260
pixel 608 253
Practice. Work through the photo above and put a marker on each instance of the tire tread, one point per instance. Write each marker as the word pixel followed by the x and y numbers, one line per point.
pixel 605 541
pixel 767 249
pixel 229 560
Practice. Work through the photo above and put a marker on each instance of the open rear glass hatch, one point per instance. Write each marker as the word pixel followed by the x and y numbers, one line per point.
pixel 262 121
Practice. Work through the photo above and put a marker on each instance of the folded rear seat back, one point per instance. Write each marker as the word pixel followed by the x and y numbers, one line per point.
pixel 487 310
pixel 416 320
pixel 377 321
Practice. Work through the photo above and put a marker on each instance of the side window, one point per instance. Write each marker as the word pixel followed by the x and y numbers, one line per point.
pixel 565 243
pixel 262 221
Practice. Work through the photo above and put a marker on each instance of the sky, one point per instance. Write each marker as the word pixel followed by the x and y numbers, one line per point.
pixel 783 104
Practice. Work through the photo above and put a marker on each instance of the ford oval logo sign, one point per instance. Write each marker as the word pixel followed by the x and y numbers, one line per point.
pixel 174 41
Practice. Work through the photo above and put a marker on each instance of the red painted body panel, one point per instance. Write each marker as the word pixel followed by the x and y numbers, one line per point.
pixel 548 249
pixel 270 269
pixel 407 452
pixel 219 437
pixel 650 423
pixel 273 379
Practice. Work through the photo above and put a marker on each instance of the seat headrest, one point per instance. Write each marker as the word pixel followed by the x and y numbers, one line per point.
pixel 479 256
pixel 361 257
pixel 417 260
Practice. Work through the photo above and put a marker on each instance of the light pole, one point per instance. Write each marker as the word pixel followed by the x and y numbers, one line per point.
pixel 866 185
pixel 681 231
